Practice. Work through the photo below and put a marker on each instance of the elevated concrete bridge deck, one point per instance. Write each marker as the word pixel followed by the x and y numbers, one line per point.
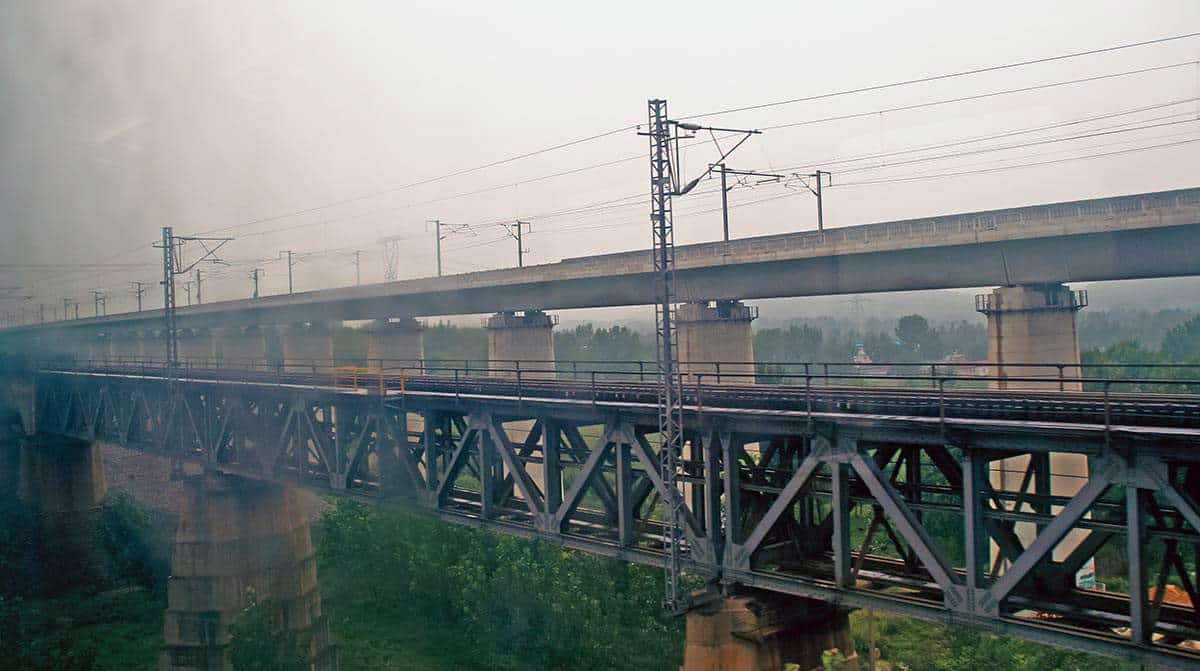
pixel 1126 237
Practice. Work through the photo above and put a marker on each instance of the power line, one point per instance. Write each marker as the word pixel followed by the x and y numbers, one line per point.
pixel 994 161
pixel 939 77
pixel 619 202
pixel 981 96
pixel 627 159
pixel 429 180
pixel 980 171
pixel 996 136
pixel 1022 145
pixel 792 194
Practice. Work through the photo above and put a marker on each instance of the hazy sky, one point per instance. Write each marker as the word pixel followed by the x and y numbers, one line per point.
pixel 119 117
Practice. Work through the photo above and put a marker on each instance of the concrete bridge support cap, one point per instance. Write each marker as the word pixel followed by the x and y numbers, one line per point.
pixel 1033 324
pixel 395 343
pixel 307 348
pixel 242 347
pixel 715 337
pixel 523 339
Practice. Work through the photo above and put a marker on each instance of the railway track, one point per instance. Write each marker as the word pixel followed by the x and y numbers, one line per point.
pixel 818 395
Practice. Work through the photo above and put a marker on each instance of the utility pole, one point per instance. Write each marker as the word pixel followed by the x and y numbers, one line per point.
pixel 99 301
pixel 169 264
pixel 357 267
pixel 437 236
pixel 198 301
pixel 138 290
pixel 817 192
pixel 724 202
pixel 451 229
pixel 41 313
pixel 665 183
pixel 187 287
pixel 254 275
pixel 723 170
pixel 514 231
pixel 290 263
pixel 66 306
pixel 172 266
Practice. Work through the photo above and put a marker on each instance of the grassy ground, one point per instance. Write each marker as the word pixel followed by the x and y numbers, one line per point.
pixel 125 628
pixel 409 593
pixel 111 631
pixel 396 642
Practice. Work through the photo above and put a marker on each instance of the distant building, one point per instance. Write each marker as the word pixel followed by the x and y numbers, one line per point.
pixel 966 368
pixel 860 355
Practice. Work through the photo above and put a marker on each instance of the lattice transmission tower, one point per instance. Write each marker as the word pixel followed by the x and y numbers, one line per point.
pixel 665 183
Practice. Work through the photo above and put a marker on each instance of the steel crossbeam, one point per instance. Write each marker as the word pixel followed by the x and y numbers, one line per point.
pixel 898 515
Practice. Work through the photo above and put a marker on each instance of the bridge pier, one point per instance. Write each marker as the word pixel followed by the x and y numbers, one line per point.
pixel 242 346
pixel 717 331
pixel 127 346
pixel 307 347
pixel 516 337
pixel 762 631
pixel 99 347
pixel 402 340
pixel 62 481
pixel 236 536
pixel 195 347
pixel 1033 323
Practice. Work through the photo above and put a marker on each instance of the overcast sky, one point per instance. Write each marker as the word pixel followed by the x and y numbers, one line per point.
pixel 120 117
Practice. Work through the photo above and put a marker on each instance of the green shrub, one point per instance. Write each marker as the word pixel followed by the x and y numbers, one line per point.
pixel 136 549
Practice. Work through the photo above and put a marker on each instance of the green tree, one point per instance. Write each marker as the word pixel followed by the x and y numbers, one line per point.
pixel 128 537
pixel 1182 343
pixel 920 343
pixel 452 344
pixel 585 343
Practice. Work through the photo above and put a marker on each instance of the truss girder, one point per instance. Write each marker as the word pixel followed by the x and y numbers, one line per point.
pixel 817 508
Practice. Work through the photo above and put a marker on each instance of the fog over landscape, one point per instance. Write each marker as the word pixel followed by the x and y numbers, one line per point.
pixel 667 354
pixel 298 126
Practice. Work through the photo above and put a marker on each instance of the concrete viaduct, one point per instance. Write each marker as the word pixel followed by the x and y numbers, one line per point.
pixel 1029 252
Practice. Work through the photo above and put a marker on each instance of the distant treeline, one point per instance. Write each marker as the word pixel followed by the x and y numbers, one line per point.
pixel 829 339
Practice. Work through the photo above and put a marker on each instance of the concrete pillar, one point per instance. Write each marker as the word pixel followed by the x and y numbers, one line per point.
pixel 241 347
pixel 237 535
pixel 524 338
pixel 1033 324
pixel 1036 324
pixel 307 348
pixel 716 331
pixel 62 480
pixel 400 340
pixel 759 631
pixel 195 347
pixel 99 347
pixel 127 346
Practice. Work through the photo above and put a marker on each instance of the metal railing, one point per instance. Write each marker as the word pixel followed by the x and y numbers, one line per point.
pixel 641 370
pixel 815 391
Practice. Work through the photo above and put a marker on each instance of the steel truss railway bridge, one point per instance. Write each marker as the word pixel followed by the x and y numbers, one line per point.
pixel 856 492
